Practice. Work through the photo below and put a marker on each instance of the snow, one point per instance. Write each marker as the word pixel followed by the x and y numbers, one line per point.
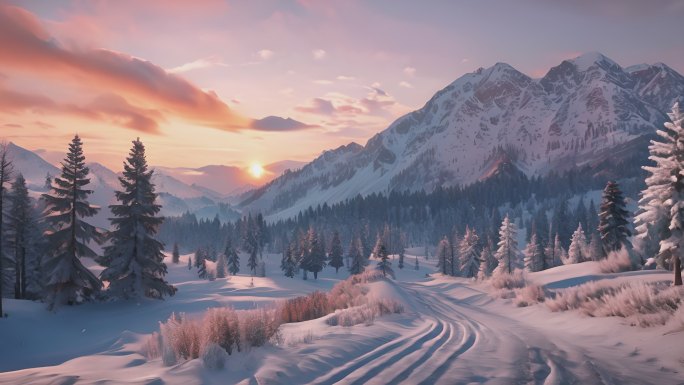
pixel 583 62
pixel 453 331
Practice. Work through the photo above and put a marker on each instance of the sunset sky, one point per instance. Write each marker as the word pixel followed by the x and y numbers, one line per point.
pixel 190 78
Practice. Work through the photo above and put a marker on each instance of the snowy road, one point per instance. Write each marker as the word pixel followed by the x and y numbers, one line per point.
pixel 461 343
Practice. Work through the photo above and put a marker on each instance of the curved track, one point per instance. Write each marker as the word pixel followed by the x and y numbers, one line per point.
pixel 465 344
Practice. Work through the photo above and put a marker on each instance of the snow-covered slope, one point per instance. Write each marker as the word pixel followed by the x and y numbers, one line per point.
pixel 31 166
pixel 581 112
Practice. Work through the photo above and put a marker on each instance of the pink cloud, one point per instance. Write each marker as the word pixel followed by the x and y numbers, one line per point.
pixel 32 48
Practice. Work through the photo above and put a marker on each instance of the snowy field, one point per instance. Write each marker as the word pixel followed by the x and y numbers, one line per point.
pixel 453 331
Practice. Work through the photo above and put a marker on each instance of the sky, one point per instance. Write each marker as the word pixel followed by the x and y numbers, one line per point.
pixel 194 79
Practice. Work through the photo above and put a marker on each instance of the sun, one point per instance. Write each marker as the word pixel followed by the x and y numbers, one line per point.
pixel 256 170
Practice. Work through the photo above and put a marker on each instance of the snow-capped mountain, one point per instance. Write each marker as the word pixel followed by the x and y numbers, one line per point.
pixel 175 196
pixel 581 112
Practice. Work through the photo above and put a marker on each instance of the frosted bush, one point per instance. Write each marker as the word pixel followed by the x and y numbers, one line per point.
pixel 367 276
pixel 221 326
pixel 364 314
pixel 616 262
pixel 511 281
pixel 258 326
pixel 312 306
pixel 529 295
pixel 152 347
pixel 213 356
pixel 645 304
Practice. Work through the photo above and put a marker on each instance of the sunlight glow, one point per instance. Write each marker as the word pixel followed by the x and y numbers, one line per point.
pixel 256 170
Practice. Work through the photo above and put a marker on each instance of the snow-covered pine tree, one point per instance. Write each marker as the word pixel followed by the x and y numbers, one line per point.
pixel 443 255
pixel 454 256
pixel 20 226
pixel 487 261
pixel 558 251
pixel 134 260
pixel 251 244
pixel 68 235
pixel 221 266
pixel 533 255
pixel 469 253
pixel 175 255
pixel 358 263
pixel 380 252
pixel 336 252
pixel 577 252
pixel 400 264
pixel 199 256
pixel 613 220
pixel 5 177
pixel 594 250
pixel 654 216
pixel 669 158
pixel 417 266
pixel 507 253
pixel 232 257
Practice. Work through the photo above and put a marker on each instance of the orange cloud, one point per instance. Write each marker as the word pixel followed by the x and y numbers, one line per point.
pixel 26 45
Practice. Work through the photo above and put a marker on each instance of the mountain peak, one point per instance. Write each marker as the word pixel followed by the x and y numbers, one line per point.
pixel 589 59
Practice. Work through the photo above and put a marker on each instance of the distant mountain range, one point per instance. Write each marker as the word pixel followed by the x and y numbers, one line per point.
pixel 585 111
pixel 206 191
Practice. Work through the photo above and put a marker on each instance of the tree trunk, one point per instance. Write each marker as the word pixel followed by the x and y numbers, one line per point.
pixel 677 266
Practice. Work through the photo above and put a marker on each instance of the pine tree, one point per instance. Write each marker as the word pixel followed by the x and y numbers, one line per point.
pixel 189 262
pixel 221 266
pixel 613 223
pixel 48 182
pixel 400 264
pixel 68 235
pixel 443 254
pixel 487 262
pixel 199 257
pixel 336 252
pixel 5 175
pixel 134 260
pixel 595 249
pixel 20 225
pixel 202 269
pixel 469 253
pixel 233 258
pixel 380 252
pixel 358 264
pixel 534 258
pixel 175 255
pixel 507 253
pixel 251 243
pixel 577 252
pixel 417 266
pixel 289 263
pixel 314 259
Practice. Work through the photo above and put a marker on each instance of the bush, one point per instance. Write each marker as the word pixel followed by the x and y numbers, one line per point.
pixel 516 280
pixel 258 326
pixel 213 356
pixel 366 277
pixel 312 306
pixel 616 262
pixel 646 304
pixel 221 326
pixel 529 295
pixel 365 314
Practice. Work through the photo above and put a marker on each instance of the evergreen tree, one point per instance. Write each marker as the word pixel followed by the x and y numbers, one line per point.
pixel 417 266
pixel 314 260
pixel 595 249
pixel 134 260
pixel 380 252
pixel 200 256
pixel 561 222
pixel 581 213
pixel 21 227
pixel 48 182
pixel 507 253
pixel 443 254
pixel 454 255
pixel 336 252
pixel 221 266
pixel 577 252
pixel 358 263
pixel 233 258
pixel 400 264
pixel 251 244
pixel 5 175
pixel 289 263
pixel 487 262
pixel 189 262
pixel 68 235
pixel 469 253
pixel 613 223
pixel 534 257
pixel 202 269
pixel 175 255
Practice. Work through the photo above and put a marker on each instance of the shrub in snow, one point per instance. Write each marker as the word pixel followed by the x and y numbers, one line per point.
pixel 213 356
pixel 305 308
pixel 616 262
pixel 364 314
pixel 529 295
pixel 646 304
pixel 258 326
pixel 152 348
pixel 221 326
pixel 366 277
pixel 511 281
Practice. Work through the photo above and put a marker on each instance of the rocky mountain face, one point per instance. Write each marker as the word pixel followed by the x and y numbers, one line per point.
pixel 582 112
